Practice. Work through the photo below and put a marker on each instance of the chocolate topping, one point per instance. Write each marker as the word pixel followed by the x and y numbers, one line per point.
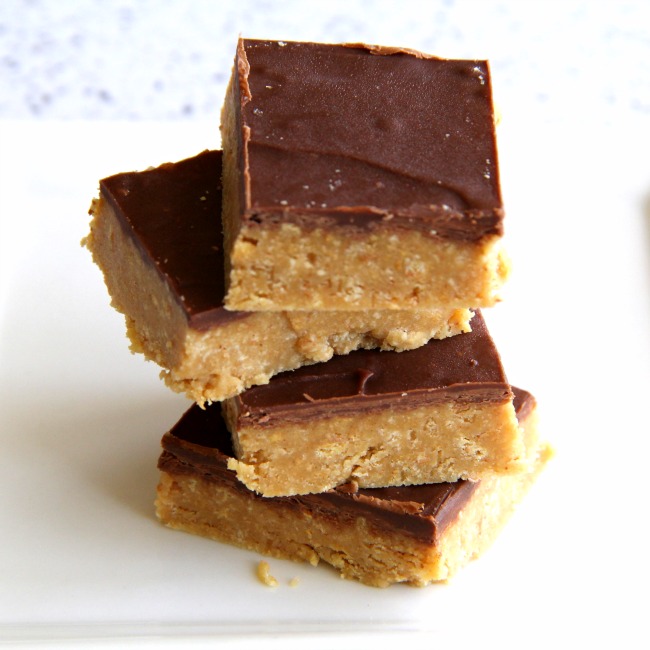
pixel 523 402
pixel 368 137
pixel 464 368
pixel 173 214
pixel 200 444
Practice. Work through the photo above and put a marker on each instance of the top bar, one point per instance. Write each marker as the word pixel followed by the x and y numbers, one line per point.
pixel 357 176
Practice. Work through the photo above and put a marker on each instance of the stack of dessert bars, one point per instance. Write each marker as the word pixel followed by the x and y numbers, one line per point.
pixel 316 290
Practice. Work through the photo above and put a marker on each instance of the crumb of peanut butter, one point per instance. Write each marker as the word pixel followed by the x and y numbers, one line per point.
pixel 294 581
pixel 264 575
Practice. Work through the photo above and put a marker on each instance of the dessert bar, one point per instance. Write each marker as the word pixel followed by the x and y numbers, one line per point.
pixel 359 177
pixel 156 235
pixel 416 534
pixel 438 413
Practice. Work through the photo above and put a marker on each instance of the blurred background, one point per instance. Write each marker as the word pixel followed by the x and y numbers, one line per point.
pixel 169 60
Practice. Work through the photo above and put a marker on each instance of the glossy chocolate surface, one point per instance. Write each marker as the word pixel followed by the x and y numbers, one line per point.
pixel 200 445
pixel 173 214
pixel 369 137
pixel 464 368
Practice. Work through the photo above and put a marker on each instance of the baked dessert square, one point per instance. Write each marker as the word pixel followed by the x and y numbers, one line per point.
pixel 438 413
pixel 359 177
pixel 156 236
pixel 415 534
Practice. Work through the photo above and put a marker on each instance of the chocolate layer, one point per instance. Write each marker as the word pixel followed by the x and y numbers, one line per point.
pixel 200 445
pixel 465 368
pixel 365 136
pixel 173 215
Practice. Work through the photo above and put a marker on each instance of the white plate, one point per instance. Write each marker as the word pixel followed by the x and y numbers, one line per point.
pixel 82 555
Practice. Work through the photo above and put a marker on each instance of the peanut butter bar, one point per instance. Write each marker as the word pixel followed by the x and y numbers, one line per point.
pixel 438 413
pixel 156 235
pixel 359 177
pixel 415 534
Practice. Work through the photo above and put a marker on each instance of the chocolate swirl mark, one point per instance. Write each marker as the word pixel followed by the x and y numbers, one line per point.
pixel 363 375
pixel 448 195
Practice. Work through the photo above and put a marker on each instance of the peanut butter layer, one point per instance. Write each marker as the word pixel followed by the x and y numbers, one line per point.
pixel 156 235
pixel 337 157
pixel 414 534
pixel 438 413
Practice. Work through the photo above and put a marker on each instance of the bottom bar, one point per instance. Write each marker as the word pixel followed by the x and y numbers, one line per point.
pixel 415 534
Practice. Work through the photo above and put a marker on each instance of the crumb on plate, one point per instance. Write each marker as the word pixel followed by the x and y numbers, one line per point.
pixel 264 575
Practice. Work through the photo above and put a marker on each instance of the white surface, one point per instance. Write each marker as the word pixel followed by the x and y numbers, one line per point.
pixel 81 555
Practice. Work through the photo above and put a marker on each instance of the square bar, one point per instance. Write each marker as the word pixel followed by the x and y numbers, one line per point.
pixel 438 413
pixel 359 177
pixel 156 235
pixel 416 534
